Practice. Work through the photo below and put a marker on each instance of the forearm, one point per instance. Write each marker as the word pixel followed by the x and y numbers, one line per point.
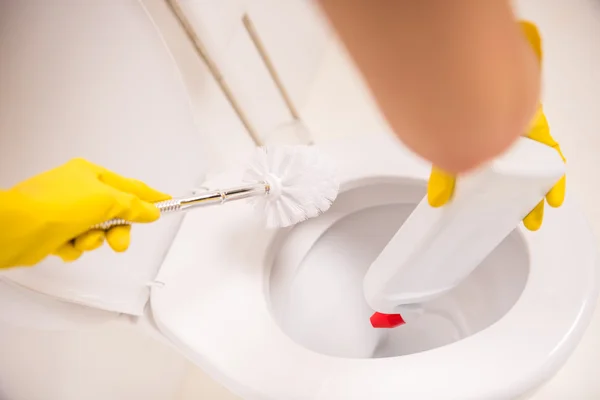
pixel 455 79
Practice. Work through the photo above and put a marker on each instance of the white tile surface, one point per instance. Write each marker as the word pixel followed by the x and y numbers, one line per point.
pixel 340 105
pixel 296 37
pixel 197 385
pixel 113 361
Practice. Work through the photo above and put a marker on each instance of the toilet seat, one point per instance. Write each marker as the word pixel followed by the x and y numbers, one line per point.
pixel 214 306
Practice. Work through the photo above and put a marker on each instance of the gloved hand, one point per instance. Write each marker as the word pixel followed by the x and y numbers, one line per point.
pixel 51 213
pixel 441 184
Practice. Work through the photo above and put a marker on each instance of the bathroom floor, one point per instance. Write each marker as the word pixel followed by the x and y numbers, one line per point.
pixel 340 107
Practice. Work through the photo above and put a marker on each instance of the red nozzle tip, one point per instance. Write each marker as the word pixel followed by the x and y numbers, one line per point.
pixel 379 320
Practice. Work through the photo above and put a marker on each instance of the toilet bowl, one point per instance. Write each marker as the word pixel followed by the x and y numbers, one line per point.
pixel 280 314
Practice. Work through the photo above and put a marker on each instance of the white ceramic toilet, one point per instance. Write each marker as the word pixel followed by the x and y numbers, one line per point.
pixel 281 314
pixel 276 315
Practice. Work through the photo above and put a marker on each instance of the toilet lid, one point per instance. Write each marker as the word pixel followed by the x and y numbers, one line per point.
pixel 131 114
pixel 214 307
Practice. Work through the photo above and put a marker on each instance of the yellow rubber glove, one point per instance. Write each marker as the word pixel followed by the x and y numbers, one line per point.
pixel 51 213
pixel 441 184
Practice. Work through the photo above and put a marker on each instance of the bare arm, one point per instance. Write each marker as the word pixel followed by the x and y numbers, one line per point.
pixel 455 79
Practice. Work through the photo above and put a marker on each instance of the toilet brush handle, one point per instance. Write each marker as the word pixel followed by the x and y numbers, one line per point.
pixel 208 198
pixel 165 207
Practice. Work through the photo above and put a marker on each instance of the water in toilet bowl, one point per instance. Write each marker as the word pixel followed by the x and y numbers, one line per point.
pixel 321 304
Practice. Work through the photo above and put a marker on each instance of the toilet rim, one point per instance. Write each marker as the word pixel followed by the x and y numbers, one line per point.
pixel 204 310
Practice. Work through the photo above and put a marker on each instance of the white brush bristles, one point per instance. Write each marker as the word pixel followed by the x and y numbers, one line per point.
pixel 302 184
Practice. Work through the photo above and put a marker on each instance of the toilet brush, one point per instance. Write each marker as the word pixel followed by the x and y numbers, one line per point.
pixel 284 184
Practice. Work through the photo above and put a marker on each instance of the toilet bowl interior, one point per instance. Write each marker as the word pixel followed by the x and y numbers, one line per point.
pixel 315 287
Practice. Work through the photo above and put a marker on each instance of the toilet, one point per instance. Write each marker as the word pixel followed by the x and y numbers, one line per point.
pixel 282 316
pixel 279 314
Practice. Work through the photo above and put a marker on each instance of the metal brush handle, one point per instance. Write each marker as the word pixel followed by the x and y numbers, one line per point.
pixel 205 199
